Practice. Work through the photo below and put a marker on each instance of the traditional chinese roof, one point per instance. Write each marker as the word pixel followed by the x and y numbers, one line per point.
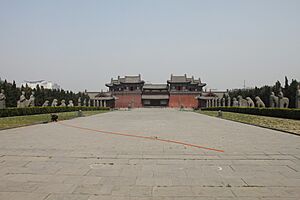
pixel 126 80
pixel 178 79
pixel 101 95
pixel 185 79
pixel 155 87
pixel 218 94
pixel 104 94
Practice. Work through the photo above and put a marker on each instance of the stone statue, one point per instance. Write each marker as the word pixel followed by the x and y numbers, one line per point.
pixel 54 103
pixel 23 102
pixel 228 101
pixel 31 100
pixel 250 102
pixel 283 101
pixel 70 103
pixel 218 102
pixel 242 102
pixel 235 102
pixel 84 102
pixel 223 102
pixel 298 97
pixel 46 103
pixel 259 102
pixel 63 103
pixel 208 103
pixel 2 99
pixel 213 102
pixel 273 100
pixel 79 101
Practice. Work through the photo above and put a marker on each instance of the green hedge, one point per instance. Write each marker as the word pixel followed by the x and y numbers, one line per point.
pixel 9 112
pixel 271 112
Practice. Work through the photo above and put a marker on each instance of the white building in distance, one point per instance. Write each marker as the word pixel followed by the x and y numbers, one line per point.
pixel 42 83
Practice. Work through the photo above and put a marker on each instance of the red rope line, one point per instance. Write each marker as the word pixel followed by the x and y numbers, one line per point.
pixel 143 137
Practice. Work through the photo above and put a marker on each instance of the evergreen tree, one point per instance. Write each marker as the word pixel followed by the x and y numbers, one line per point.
pixel 286 85
pixel 292 91
pixel 277 87
pixel 14 94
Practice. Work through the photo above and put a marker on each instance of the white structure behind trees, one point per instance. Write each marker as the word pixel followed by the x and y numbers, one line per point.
pixel 41 83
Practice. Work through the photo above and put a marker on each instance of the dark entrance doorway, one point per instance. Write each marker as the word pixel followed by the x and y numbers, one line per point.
pixel 155 102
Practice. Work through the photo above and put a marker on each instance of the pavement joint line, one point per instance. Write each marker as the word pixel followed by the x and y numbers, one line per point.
pixel 186 154
pixel 298 158
pixel 46 197
pixel 26 164
pixel 244 181
pixel 144 137
pixel 138 158
pixel 291 168
pixel 231 168
pixel 233 193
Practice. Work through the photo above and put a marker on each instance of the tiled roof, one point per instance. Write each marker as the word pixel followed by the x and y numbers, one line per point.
pixel 185 79
pixel 126 79
pixel 105 98
pixel 137 79
pixel 179 79
pixel 104 94
pixel 131 79
pixel 155 86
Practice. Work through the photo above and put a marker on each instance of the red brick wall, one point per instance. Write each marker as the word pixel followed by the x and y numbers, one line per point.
pixel 185 100
pixel 124 100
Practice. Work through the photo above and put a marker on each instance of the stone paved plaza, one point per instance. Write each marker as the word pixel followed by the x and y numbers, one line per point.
pixel 54 161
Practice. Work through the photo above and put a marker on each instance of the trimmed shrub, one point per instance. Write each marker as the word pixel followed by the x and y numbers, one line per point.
pixel 10 112
pixel 271 112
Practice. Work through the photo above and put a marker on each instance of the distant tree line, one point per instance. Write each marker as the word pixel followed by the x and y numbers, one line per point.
pixel 289 90
pixel 12 93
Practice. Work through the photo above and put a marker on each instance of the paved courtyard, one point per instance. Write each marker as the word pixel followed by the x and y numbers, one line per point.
pixel 55 161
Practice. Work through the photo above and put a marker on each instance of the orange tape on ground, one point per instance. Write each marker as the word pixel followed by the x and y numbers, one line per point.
pixel 143 137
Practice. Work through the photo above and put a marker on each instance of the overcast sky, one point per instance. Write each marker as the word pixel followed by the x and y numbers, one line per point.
pixel 82 44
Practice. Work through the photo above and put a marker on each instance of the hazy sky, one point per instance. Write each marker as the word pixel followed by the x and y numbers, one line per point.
pixel 82 44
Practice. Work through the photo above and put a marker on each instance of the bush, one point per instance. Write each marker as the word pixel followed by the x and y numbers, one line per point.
pixel 9 112
pixel 271 112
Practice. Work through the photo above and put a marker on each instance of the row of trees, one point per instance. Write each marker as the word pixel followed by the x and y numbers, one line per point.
pixel 289 90
pixel 12 93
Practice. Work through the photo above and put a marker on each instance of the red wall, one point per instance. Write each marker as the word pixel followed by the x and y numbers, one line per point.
pixel 124 100
pixel 185 100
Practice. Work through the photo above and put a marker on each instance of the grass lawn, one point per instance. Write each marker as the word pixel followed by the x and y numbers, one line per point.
pixel 268 122
pixel 18 121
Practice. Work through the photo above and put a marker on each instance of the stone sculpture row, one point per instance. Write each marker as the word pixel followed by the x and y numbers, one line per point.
pixel 298 97
pixel 63 103
pixel 2 99
pixel 23 102
pixel 275 101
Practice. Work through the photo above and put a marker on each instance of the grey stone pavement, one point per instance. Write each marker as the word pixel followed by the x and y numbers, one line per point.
pixel 52 161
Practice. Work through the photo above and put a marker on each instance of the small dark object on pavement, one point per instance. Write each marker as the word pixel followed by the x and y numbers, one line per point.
pixel 79 113
pixel 54 117
pixel 220 114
